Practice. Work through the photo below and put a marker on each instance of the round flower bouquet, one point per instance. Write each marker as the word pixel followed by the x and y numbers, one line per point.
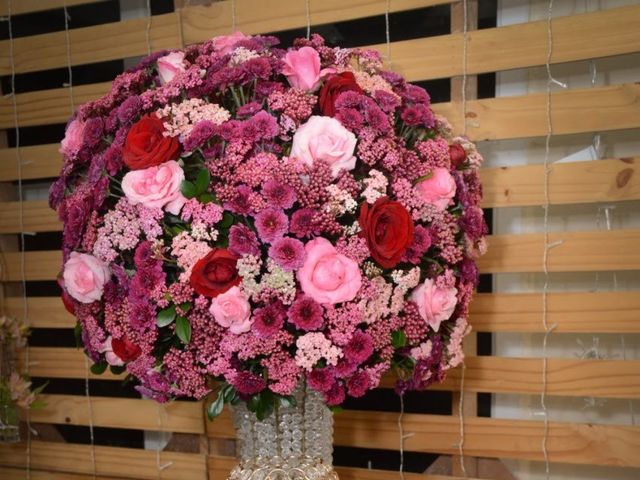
pixel 261 222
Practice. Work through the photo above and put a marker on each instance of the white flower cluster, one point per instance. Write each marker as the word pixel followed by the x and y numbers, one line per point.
pixel 375 186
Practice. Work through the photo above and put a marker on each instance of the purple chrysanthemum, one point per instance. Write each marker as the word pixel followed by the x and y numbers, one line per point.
pixel 320 379
pixel 288 253
pixel 271 223
pixel 268 320
pixel 303 223
pixel 93 129
pixel 266 125
pixel 305 313
pixel 335 395
pixel 344 368
pixel 246 383
pixel 129 109
pixel 358 384
pixel 242 241
pixel 279 194
pixel 421 243
pixel 359 348
pixel 202 132
pixel 241 203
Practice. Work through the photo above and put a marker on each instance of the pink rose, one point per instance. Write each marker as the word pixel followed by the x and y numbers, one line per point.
pixel 302 69
pixel 170 65
pixel 72 141
pixel 438 189
pixel 231 309
pixel 85 276
pixel 324 138
pixel 109 355
pixel 434 304
pixel 328 276
pixel 224 43
pixel 156 187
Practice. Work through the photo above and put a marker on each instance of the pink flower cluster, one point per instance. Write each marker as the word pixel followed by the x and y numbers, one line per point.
pixel 261 216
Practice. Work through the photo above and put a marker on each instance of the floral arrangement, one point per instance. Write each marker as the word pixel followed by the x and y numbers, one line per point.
pixel 243 217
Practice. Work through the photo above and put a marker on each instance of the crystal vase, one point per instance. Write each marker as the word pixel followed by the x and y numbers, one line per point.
pixel 293 443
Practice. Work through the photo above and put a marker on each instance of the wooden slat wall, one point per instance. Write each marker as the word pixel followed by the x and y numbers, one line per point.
pixel 577 37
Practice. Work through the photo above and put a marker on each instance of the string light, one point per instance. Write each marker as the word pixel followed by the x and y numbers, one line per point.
pixel 25 305
pixel 307 10
pixel 148 29
pixel 233 16
pixel 388 31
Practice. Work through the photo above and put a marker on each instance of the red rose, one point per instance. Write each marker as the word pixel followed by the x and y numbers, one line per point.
pixel 126 350
pixel 334 86
pixel 67 301
pixel 145 146
pixel 215 273
pixel 457 155
pixel 388 228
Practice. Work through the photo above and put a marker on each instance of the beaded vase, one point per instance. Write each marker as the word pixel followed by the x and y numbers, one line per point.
pixel 293 443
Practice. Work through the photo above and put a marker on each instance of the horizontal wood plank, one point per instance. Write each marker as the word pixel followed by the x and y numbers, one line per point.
pixel 41 265
pixel 36 217
pixel 572 312
pixel 576 182
pixel 618 107
pixel 261 16
pixel 43 312
pixel 577 252
pixel 110 461
pixel 575 37
pixel 572 443
pixel 566 377
pixel 129 413
pixel 39 161
pixel 30 6
pixel 8 473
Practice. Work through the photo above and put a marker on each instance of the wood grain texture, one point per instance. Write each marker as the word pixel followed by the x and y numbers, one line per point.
pixel 99 43
pixel 128 463
pixel 618 107
pixel 260 16
pixel 573 312
pixel 575 37
pixel 39 161
pixel 567 377
pixel 29 6
pixel 576 182
pixel 129 413
pixel 40 265
pixel 8 473
pixel 44 312
pixel 36 217
pixel 572 443
pixel 578 252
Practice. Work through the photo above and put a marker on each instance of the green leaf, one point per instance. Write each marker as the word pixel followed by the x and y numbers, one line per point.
pixel 398 339
pixel 99 368
pixel 117 369
pixel 288 401
pixel 188 189
pixel 206 198
pixel 229 393
pixel 183 329
pixel 427 176
pixel 185 306
pixel 77 334
pixel 215 408
pixel 202 181
pixel 166 316
pixel 227 221
pixel 336 409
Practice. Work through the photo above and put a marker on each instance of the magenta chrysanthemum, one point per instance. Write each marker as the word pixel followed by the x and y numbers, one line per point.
pixel 271 223
pixel 359 348
pixel 268 320
pixel 306 314
pixel 288 253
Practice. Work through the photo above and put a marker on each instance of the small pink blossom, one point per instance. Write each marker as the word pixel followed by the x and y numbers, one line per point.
pixel 328 276
pixel 170 65
pixel 325 139
pixel 302 69
pixel 85 277
pixel 435 304
pixel 224 43
pixel 156 187
pixel 231 309
pixel 438 189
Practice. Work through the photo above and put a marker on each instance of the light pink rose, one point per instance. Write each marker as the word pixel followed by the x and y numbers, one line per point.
pixel 224 43
pixel 85 276
pixel 324 138
pixel 302 69
pixel 109 355
pixel 72 141
pixel 170 65
pixel 231 309
pixel 156 187
pixel 328 276
pixel 438 189
pixel 434 304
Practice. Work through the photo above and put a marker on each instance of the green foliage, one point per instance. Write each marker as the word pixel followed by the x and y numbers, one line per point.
pixel 183 329
pixel 166 316
pixel 398 339
pixel 99 368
